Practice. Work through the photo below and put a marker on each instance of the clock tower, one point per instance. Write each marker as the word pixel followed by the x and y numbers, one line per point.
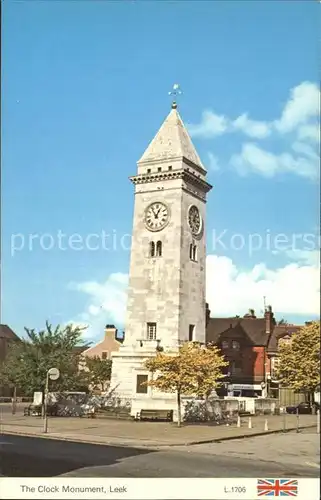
pixel 166 293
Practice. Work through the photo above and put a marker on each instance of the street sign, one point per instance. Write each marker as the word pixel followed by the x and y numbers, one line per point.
pixel 53 373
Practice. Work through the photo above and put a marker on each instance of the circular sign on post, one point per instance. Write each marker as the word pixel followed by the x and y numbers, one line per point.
pixel 53 373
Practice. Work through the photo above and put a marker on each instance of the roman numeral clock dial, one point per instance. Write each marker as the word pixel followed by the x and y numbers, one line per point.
pixel 156 216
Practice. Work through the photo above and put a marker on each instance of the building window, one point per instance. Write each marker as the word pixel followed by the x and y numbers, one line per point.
pixel 235 344
pixel 225 344
pixel 151 331
pixel 148 170
pixel 141 384
pixel 152 249
pixel 193 252
pixel 274 367
pixel 191 333
pixel 159 169
pixel 236 367
pixel 170 168
pixel 104 355
pixel 159 249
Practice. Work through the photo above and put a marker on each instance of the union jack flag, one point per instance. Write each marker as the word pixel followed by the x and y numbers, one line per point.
pixel 277 487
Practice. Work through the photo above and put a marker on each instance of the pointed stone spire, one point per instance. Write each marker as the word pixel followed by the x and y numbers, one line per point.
pixel 172 141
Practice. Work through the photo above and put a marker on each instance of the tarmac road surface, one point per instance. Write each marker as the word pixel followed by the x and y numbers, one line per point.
pixel 28 456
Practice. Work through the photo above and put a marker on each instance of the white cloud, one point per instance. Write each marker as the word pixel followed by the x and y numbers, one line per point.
pixel 211 125
pixel 300 117
pixel 304 103
pixel 213 162
pixel 292 289
pixel 307 257
pixel 252 128
pixel 309 132
pixel 257 160
pixel 106 303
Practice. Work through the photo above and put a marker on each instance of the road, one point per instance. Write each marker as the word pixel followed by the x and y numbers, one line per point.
pixel 26 456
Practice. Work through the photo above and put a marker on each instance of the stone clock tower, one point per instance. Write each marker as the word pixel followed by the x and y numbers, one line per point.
pixel 166 294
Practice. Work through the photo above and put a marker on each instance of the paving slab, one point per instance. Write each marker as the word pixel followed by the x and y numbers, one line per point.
pixel 150 434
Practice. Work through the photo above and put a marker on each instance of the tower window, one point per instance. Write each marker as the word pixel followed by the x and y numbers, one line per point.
pixel 152 249
pixel 170 168
pixel 159 169
pixel 159 249
pixel 193 252
pixel 151 331
pixel 191 333
pixel 148 170
pixel 141 384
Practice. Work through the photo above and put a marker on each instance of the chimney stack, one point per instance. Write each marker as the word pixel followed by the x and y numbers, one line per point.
pixel 269 320
pixel 111 331
pixel 250 314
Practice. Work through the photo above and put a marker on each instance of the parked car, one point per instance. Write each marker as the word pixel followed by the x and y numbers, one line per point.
pixel 303 408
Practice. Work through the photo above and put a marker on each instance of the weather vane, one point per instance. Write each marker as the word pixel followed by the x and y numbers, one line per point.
pixel 175 92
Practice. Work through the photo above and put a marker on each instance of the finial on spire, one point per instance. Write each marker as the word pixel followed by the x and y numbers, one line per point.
pixel 175 91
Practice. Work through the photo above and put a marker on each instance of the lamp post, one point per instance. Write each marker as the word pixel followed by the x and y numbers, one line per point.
pixel 52 374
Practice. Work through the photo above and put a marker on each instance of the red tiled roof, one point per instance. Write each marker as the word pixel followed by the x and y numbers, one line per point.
pixel 252 328
pixel 279 332
pixel 7 333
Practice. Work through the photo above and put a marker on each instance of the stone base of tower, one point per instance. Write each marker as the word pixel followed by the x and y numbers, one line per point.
pixel 128 363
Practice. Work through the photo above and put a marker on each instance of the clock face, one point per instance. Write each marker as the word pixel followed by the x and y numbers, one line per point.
pixel 194 220
pixel 156 216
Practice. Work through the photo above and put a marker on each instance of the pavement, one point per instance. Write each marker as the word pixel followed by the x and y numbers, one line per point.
pixel 144 434
pixel 32 456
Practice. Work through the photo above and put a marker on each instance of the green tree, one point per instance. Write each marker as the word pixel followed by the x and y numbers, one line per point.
pixel 299 360
pixel 99 371
pixel 195 370
pixel 28 361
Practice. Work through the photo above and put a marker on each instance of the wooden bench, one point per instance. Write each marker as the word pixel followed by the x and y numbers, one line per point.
pixel 160 415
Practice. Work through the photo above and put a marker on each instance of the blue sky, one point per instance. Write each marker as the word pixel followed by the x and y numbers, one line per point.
pixel 85 89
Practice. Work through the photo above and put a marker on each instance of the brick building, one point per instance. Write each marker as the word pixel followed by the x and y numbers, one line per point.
pixel 103 349
pixel 244 342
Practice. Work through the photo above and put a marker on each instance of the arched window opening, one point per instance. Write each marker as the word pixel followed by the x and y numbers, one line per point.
pixel 159 249
pixel 152 249
pixel 193 252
